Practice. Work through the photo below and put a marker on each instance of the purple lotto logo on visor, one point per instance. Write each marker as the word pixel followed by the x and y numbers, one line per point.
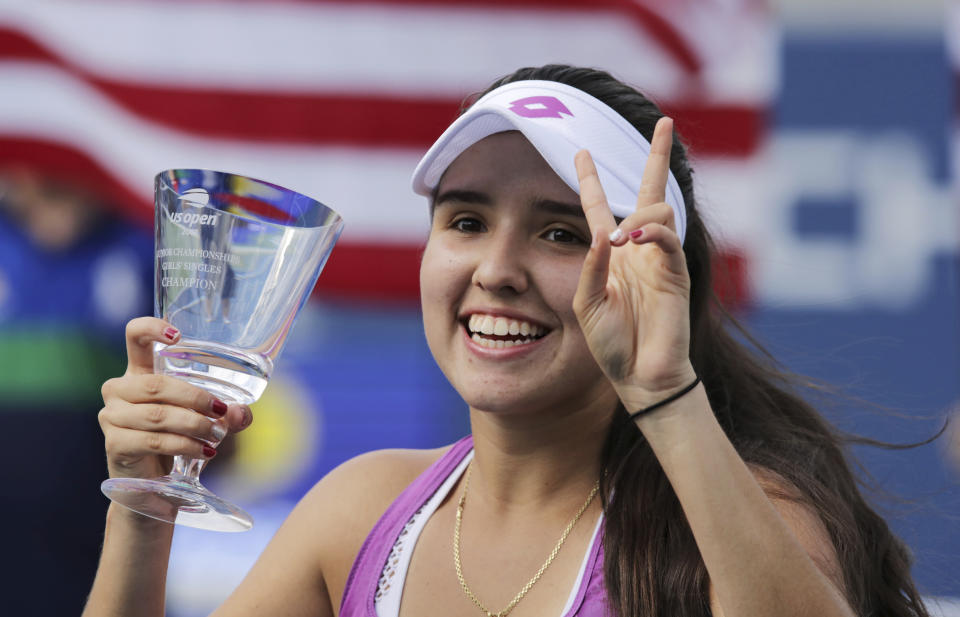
pixel 539 107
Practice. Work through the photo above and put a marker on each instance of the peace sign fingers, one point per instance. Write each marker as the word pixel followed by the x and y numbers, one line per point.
pixel 654 184
pixel 592 198
pixel 593 278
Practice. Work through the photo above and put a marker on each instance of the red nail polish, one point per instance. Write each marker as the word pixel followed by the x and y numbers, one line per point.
pixel 636 233
pixel 218 407
pixel 209 452
pixel 171 333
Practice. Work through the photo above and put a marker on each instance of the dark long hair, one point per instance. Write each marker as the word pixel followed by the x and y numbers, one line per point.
pixel 652 564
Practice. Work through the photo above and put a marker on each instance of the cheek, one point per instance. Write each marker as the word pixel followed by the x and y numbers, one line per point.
pixel 443 279
pixel 431 274
pixel 560 286
pixel 427 291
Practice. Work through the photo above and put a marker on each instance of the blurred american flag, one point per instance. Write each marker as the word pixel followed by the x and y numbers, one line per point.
pixel 339 99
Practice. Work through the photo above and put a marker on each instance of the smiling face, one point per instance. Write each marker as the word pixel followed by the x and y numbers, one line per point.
pixel 497 281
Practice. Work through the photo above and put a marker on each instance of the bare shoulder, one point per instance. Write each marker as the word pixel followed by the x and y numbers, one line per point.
pixel 349 501
pixel 356 493
pixel 305 566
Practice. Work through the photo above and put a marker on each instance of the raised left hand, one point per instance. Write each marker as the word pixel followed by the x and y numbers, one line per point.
pixel 633 298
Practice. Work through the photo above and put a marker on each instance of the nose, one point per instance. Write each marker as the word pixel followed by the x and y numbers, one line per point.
pixel 501 267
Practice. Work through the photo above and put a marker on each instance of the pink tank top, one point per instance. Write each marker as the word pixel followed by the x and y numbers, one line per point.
pixel 360 592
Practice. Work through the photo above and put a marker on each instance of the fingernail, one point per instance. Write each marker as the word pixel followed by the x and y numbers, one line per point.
pixel 218 407
pixel 171 333
pixel 636 233
pixel 247 417
pixel 616 235
pixel 219 431
pixel 209 452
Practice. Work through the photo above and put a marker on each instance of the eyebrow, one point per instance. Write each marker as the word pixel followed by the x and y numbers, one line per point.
pixel 549 206
pixel 559 208
pixel 463 196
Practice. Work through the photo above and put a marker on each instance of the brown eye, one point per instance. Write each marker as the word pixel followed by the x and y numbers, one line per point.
pixel 563 236
pixel 467 225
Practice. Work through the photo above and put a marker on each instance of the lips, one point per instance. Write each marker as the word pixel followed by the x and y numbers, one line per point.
pixel 498 332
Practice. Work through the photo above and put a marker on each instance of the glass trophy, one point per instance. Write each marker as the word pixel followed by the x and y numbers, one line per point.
pixel 236 259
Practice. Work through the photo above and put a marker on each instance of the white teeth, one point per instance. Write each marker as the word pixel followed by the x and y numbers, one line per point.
pixel 501 326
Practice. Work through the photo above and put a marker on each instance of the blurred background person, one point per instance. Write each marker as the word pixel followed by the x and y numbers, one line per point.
pixel 70 274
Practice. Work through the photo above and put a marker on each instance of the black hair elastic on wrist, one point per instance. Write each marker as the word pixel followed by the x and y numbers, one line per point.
pixel 669 399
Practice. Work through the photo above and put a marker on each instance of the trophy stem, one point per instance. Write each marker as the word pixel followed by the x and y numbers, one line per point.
pixel 187 469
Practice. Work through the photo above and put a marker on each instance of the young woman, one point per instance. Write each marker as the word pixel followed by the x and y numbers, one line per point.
pixel 627 455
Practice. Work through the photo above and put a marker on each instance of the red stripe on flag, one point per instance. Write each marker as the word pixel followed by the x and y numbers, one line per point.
pixel 256 207
pixel 379 121
pixel 16 45
pixel 368 271
pixel 730 279
pixel 720 130
pixel 289 118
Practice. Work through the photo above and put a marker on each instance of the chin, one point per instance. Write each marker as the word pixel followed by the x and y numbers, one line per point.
pixel 497 401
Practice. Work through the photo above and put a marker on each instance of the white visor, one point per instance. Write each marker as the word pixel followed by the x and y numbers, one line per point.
pixel 559 121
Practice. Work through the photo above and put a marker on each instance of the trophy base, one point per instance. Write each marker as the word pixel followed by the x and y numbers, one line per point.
pixel 177 500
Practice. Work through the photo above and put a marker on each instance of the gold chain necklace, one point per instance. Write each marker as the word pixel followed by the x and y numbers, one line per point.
pixel 536 577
